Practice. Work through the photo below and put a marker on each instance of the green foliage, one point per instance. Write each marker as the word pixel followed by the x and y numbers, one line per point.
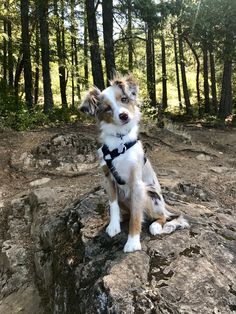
pixel 14 113
pixel 149 11
pixel 148 110
pixel 203 22
pixel 24 120
pixel 8 101
pixel 66 115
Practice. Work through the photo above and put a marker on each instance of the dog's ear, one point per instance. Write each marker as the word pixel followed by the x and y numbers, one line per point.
pixel 132 86
pixel 90 102
pixel 118 81
pixel 128 84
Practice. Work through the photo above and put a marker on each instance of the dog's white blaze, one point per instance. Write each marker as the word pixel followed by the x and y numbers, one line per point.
pixel 132 244
pixel 114 226
pixel 109 93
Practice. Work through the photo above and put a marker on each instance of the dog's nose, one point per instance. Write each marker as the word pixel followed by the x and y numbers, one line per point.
pixel 123 116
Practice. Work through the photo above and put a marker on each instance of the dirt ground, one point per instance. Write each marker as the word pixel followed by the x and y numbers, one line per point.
pixel 192 155
pixel 45 174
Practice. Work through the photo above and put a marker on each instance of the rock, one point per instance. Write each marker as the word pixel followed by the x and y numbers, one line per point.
pixel 78 268
pixel 79 158
pixel 203 196
pixel 1 201
pixel 16 255
pixel 190 189
pixel 43 163
pixel 18 203
pixel 23 156
pixel 180 272
pixel 39 181
pixel 25 300
pixel 65 167
pixel 219 170
pixel 42 196
pixel 62 153
pixel 59 140
pixel 28 161
pixel 203 157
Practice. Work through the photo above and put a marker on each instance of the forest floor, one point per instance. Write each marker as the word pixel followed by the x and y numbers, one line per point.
pixel 198 156
pixel 57 167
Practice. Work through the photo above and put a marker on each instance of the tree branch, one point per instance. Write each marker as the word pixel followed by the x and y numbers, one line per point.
pixel 127 38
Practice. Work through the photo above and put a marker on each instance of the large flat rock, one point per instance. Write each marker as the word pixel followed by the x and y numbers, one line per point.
pixel 70 265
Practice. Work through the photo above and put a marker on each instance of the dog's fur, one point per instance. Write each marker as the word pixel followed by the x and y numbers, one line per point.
pixel 141 193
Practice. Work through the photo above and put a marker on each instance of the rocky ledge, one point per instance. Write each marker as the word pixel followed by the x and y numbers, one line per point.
pixel 56 260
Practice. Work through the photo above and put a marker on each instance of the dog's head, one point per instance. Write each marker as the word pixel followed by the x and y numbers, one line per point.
pixel 116 105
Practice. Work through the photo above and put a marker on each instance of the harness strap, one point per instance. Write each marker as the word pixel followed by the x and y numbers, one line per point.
pixel 108 156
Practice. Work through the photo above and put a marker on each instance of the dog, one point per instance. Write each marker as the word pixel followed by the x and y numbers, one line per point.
pixel 131 183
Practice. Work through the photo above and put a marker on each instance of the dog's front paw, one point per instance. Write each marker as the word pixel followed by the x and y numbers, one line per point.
pixel 132 244
pixel 113 229
pixel 155 228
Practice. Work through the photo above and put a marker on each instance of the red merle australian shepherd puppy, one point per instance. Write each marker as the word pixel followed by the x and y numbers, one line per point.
pixel 131 182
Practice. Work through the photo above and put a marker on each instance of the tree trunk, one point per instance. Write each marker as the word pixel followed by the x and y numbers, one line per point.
pixel 94 45
pixel 151 82
pixel 78 92
pixel 44 42
pixel 10 54
pixel 177 72
pixel 19 69
pixel 107 18
pixel 205 76
pixel 164 75
pixel 24 5
pixel 183 73
pixel 213 81
pixel 198 68
pixel 74 49
pixel 72 74
pixel 61 59
pixel 226 106
pixel 4 52
pixel 226 101
pixel 85 51
pixel 37 60
pixel 129 33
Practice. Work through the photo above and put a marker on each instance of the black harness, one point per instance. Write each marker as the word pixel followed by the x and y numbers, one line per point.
pixel 108 156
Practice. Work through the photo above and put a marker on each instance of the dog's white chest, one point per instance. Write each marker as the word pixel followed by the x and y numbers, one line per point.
pixel 124 163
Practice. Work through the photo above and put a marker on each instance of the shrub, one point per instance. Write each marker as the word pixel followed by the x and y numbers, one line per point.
pixel 15 114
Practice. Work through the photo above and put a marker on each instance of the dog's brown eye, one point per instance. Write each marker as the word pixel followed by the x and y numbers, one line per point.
pixel 124 99
pixel 108 109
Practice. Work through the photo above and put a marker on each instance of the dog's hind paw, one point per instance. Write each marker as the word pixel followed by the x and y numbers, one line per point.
pixel 113 229
pixel 133 244
pixel 169 227
pixel 155 228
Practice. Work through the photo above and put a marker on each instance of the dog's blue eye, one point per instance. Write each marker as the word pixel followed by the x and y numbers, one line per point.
pixel 124 99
